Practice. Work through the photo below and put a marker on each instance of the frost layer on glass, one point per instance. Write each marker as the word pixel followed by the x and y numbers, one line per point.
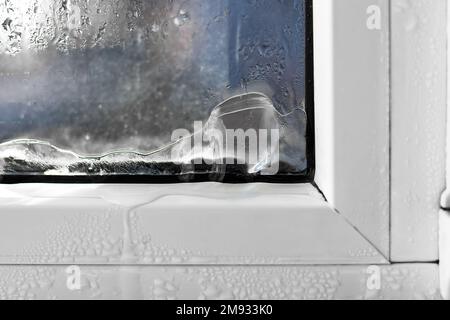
pixel 105 87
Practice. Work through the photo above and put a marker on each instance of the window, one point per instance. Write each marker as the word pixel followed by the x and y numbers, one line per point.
pixel 154 91
pixel 357 212
pixel 346 223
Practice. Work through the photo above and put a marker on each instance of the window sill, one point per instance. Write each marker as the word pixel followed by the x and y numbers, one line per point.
pixel 179 224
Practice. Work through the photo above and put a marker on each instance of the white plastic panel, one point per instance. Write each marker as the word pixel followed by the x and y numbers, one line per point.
pixel 352 112
pixel 418 126
pixel 444 217
pixel 192 224
pixel 331 282
pixel 444 253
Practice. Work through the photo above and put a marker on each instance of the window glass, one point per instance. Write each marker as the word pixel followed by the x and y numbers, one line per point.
pixel 155 88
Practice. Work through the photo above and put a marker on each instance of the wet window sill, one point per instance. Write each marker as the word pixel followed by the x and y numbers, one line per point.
pixel 204 223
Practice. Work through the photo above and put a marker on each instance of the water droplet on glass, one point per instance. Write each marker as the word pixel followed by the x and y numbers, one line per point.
pixel 181 19
pixel 156 28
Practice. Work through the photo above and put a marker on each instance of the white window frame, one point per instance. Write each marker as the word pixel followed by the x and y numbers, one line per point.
pixel 352 112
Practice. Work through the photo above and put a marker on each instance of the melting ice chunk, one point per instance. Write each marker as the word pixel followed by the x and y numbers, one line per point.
pixel 244 132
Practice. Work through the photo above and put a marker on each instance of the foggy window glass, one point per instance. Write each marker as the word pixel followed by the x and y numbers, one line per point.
pixel 155 88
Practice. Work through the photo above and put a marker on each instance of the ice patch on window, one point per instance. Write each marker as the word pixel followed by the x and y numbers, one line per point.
pixel 257 130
